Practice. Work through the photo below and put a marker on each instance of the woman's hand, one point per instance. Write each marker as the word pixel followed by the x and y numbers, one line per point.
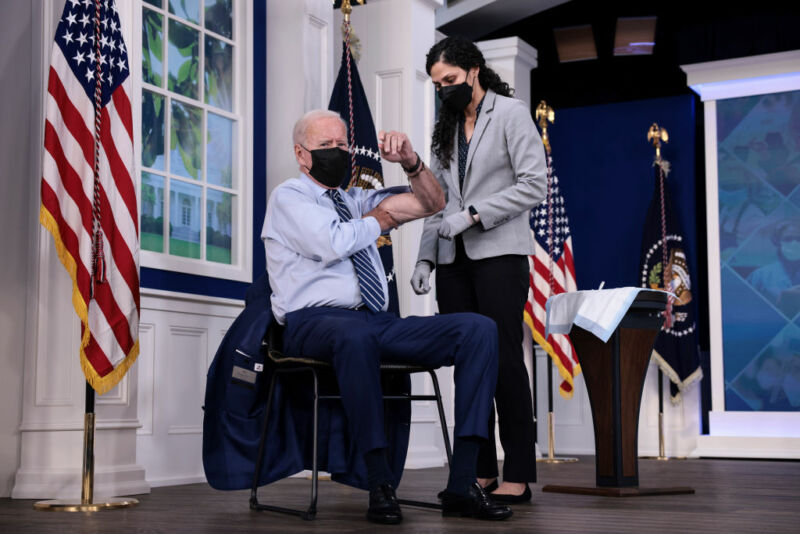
pixel 420 280
pixel 454 224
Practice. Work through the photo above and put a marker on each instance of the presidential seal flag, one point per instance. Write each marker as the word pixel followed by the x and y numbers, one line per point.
pixel 551 272
pixel 664 266
pixel 88 196
pixel 350 101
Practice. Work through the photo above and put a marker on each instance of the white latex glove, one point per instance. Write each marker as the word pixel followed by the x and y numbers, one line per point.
pixel 454 224
pixel 420 279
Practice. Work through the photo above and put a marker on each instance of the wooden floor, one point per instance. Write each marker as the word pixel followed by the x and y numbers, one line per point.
pixel 731 496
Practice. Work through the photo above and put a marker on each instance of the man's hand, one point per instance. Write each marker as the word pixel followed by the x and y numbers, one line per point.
pixel 454 224
pixel 396 147
pixel 384 218
pixel 420 280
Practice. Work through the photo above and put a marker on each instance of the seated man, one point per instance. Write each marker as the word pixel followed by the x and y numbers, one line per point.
pixel 330 290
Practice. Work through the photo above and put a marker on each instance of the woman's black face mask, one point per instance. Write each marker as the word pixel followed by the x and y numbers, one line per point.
pixel 456 97
pixel 328 165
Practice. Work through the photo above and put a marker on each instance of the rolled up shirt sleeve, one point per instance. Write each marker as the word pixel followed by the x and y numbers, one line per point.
pixel 368 199
pixel 314 231
pixel 373 197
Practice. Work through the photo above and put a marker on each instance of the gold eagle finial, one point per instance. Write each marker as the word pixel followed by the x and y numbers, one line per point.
pixel 655 135
pixel 545 114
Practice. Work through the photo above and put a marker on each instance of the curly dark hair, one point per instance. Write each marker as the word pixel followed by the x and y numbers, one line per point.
pixel 459 52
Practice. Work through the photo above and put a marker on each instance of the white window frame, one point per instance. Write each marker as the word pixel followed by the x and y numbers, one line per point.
pixel 241 267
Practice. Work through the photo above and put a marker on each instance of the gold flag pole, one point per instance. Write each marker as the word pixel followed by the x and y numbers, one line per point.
pixel 545 114
pixel 655 136
pixel 87 502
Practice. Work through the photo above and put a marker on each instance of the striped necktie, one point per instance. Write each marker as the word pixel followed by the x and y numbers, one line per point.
pixel 368 280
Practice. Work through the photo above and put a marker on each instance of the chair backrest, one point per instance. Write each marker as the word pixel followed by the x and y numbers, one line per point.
pixel 274 338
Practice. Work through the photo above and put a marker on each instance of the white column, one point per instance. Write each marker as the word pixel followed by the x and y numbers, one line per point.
pixel 299 67
pixel 511 58
pixel 51 431
pixel 395 37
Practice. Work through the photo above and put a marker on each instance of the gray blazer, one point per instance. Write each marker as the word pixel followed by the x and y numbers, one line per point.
pixel 506 176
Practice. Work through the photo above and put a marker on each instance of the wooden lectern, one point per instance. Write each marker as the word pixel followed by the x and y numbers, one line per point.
pixel 614 373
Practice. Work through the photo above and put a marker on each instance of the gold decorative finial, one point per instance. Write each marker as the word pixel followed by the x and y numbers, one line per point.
pixel 655 135
pixel 347 8
pixel 545 113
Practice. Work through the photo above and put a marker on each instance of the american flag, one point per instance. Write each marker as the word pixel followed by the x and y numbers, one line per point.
pixel 88 191
pixel 550 228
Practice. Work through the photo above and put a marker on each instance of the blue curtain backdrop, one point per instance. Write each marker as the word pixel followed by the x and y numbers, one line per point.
pixel 604 165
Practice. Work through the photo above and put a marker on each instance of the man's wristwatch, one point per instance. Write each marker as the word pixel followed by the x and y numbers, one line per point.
pixel 473 213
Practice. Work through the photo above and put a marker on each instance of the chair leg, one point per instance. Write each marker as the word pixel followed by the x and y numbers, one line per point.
pixel 312 509
pixel 447 448
pixel 445 435
pixel 311 512
pixel 261 444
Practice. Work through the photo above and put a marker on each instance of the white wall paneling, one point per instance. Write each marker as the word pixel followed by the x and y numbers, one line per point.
pixel 179 337
pixel 21 109
pixel 300 60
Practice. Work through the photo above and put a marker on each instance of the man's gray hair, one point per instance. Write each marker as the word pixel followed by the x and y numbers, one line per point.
pixel 301 126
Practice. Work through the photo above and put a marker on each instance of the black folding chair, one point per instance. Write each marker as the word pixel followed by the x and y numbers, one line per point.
pixel 282 364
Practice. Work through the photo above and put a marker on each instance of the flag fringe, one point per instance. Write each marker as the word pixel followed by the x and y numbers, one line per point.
pixel 355 42
pixel 562 371
pixel 101 384
pixel 682 385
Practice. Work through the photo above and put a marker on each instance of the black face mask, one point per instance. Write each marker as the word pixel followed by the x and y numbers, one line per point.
pixel 456 97
pixel 328 165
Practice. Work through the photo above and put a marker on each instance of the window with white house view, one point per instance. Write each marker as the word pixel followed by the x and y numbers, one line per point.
pixel 194 217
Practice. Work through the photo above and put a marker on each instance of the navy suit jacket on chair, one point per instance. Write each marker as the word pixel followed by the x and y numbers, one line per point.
pixel 235 402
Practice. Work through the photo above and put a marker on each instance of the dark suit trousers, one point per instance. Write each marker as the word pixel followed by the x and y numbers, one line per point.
pixel 498 288
pixel 355 342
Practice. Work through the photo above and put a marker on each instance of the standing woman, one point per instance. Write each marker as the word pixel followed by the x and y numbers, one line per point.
pixel 489 160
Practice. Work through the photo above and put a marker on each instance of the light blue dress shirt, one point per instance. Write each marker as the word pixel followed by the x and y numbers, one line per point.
pixel 308 247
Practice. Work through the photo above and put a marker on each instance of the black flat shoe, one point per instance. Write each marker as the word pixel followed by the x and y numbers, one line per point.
pixel 488 489
pixel 477 504
pixel 383 507
pixel 512 499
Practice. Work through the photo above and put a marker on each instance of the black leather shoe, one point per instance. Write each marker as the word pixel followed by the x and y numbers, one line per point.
pixel 478 505
pixel 488 489
pixel 383 507
pixel 512 499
